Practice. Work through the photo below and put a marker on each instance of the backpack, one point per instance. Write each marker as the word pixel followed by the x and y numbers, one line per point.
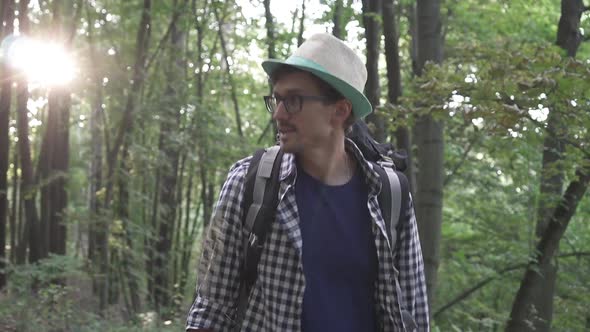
pixel 261 187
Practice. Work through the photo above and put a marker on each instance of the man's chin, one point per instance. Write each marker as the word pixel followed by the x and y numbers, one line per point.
pixel 287 146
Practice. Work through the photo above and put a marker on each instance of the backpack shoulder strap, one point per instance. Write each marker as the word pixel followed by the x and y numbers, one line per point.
pixel 393 198
pixel 259 204
pixel 256 184
pixel 249 180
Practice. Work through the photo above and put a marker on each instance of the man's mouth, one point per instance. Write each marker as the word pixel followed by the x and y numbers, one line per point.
pixel 285 129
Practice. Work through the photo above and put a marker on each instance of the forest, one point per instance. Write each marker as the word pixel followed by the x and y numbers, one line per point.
pixel 120 119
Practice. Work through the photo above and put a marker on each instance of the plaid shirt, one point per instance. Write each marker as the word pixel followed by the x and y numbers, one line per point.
pixel 275 303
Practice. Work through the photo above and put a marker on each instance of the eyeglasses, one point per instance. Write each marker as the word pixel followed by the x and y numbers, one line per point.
pixel 292 103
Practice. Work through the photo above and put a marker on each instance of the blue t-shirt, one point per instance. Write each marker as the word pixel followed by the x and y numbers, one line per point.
pixel 339 255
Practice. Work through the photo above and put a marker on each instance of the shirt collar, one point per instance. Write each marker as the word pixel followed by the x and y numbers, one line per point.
pixel 289 168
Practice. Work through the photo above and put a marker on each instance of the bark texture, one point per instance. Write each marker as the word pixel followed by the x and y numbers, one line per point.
pixel 569 36
pixel 372 23
pixel 170 150
pixel 428 135
pixel 522 307
pixel 52 170
pixel 537 311
pixel 394 85
pixel 550 191
pixel 229 76
pixel 338 29
pixel 270 30
pixel 7 16
pixel 31 233
pixel 301 24
pixel 123 141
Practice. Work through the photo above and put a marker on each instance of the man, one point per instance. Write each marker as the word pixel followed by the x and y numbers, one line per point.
pixel 326 264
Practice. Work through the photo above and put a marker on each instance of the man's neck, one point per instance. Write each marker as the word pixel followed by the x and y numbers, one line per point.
pixel 330 164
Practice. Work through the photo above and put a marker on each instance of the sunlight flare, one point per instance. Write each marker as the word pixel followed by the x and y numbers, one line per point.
pixel 43 63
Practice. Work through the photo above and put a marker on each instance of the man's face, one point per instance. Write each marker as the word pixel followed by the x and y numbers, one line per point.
pixel 312 125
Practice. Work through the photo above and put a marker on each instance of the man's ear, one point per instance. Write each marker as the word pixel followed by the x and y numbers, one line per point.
pixel 343 109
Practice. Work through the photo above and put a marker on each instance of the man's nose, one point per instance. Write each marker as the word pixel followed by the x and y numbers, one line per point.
pixel 280 111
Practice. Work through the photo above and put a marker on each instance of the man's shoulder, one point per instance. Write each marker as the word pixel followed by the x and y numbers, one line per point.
pixel 236 176
pixel 241 166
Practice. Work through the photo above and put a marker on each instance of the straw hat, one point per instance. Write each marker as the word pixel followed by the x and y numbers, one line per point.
pixel 328 58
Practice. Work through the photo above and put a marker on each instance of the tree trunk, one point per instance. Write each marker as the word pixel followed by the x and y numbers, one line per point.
pixel 170 149
pixel 29 190
pixel 188 241
pixel 394 86
pixel 7 16
pixel 95 169
pixel 200 26
pixel 270 33
pixel 43 172
pixel 187 238
pixel 270 39
pixel 21 241
pixel 58 162
pixel 540 308
pixel 569 36
pixel 176 242
pixel 410 13
pixel 337 19
pixel 15 224
pixel 550 191
pixel 371 12
pixel 230 78
pixel 390 33
pixel 52 170
pixel 126 127
pixel 127 251
pixel 149 242
pixel 207 197
pixel 428 135
pixel 301 25
pixel 523 305
pixel 59 107
pixel 428 29
pixel 125 130
pixel 98 228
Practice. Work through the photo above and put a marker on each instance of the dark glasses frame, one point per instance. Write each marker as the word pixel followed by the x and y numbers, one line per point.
pixel 292 103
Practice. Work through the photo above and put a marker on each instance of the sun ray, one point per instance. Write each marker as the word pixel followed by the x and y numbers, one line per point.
pixel 42 63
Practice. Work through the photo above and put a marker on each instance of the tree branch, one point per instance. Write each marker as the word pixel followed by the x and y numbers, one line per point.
pixel 126 125
pixel 552 132
pixel 301 25
pixel 234 97
pixel 547 246
pixel 77 17
pixel 477 286
pixel 268 125
pixel 466 293
pixel 576 254
pixel 459 164
pixel 173 20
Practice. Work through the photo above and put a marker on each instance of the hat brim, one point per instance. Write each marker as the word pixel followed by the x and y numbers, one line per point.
pixel 361 106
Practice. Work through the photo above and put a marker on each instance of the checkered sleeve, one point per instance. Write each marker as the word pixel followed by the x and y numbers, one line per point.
pixel 218 268
pixel 411 271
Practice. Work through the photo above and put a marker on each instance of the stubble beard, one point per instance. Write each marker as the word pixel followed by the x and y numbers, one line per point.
pixel 287 139
pixel 286 145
